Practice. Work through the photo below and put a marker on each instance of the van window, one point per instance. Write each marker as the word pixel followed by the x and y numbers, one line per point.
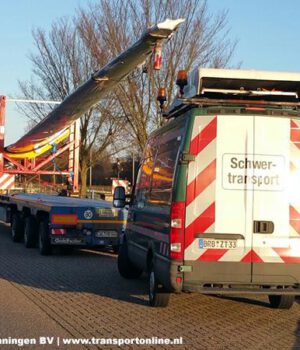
pixel 155 178
pixel 142 190
pixel 163 172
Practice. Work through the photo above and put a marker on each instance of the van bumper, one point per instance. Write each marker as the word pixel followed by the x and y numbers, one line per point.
pixel 238 289
pixel 241 278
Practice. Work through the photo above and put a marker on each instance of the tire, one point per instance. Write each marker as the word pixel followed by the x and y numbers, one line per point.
pixel 281 301
pixel 17 229
pixel 30 232
pixel 45 247
pixel 125 266
pixel 158 295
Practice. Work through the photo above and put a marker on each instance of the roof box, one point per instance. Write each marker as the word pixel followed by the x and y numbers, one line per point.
pixel 203 81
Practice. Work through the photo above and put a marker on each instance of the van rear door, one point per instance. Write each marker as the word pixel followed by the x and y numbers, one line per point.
pixel 218 225
pixel 243 200
pixel 276 201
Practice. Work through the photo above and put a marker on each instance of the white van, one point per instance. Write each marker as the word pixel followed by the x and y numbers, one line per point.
pixel 216 206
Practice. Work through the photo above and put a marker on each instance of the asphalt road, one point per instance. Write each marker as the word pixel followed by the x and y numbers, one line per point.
pixel 82 296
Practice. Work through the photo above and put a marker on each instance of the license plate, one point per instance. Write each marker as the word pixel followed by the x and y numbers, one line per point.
pixel 106 212
pixel 104 233
pixel 210 243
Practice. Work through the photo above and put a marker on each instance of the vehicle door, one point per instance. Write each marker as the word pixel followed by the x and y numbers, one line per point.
pixel 276 200
pixel 219 200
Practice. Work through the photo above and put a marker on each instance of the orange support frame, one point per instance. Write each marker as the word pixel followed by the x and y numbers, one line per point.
pixel 35 166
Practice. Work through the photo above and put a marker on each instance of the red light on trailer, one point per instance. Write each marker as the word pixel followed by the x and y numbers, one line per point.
pixel 157 57
pixel 64 219
pixel 58 231
pixel 177 230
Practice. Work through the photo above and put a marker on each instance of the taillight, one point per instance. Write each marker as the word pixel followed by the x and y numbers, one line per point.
pixel 58 231
pixel 177 230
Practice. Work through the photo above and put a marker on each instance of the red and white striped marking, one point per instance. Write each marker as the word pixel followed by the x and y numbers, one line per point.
pixel 295 178
pixel 7 181
pixel 58 231
pixel 200 213
pixel 200 199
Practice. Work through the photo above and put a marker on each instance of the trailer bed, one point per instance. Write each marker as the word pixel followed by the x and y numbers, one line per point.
pixel 66 220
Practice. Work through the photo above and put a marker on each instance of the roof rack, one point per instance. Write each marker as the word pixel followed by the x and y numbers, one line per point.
pixel 233 86
pixel 242 82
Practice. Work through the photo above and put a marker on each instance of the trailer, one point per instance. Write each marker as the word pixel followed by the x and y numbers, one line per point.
pixel 44 221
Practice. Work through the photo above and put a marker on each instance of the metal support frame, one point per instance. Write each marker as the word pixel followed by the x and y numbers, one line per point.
pixel 74 139
pixel 35 166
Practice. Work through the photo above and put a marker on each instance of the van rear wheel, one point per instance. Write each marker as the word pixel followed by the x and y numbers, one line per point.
pixel 281 301
pixel 125 266
pixel 158 295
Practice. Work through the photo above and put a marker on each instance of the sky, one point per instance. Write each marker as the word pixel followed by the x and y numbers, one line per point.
pixel 267 32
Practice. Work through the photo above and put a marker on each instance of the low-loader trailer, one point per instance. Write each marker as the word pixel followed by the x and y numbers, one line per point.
pixel 46 221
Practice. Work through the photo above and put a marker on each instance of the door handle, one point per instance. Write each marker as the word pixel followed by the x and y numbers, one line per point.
pixel 264 227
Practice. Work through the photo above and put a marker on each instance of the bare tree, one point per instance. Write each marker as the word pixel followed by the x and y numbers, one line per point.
pixel 111 25
pixel 67 55
pixel 60 64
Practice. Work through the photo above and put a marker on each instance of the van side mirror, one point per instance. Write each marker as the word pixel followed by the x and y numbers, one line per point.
pixel 119 197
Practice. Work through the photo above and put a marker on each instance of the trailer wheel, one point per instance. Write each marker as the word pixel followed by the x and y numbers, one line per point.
pixel 125 266
pixel 158 295
pixel 30 232
pixel 281 301
pixel 17 231
pixel 44 239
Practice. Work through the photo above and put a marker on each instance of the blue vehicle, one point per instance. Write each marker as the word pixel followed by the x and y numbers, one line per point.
pixel 46 221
